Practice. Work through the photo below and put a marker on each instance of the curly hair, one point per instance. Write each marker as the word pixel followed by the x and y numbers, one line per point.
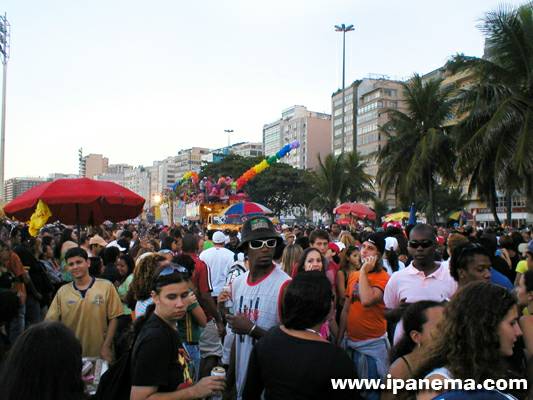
pixel 468 344
pixel 141 285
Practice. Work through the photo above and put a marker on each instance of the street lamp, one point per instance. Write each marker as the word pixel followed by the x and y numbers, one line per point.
pixel 5 30
pixel 343 28
pixel 229 132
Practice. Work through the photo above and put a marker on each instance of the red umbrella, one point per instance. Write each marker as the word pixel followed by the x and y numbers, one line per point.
pixel 78 201
pixel 358 210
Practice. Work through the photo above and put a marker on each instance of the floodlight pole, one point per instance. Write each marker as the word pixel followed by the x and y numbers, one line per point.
pixel 344 28
pixel 4 55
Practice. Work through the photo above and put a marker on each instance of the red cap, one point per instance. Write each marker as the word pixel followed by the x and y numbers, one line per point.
pixel 333 247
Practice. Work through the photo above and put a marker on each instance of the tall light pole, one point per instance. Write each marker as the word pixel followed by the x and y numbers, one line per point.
pixel 343 28
pixel 5 30
pixel 229 132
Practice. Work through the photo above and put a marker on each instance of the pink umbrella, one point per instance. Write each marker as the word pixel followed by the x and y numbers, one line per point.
pixel 358 210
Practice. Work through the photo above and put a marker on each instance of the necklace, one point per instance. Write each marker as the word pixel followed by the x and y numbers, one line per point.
pixel 313 331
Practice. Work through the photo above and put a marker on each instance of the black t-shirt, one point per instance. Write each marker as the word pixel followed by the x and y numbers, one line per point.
pixel 158 358
pixel 292 368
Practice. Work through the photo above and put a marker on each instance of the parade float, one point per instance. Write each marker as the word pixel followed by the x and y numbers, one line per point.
pixel 222 203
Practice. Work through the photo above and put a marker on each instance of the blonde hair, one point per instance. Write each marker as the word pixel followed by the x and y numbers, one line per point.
pixel 291 255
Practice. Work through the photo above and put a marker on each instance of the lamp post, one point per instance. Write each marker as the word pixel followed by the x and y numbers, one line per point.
pixel 343 28
pixel 229 132
pixel 5 29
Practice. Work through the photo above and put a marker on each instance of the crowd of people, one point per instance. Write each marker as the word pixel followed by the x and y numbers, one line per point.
pixel 284 310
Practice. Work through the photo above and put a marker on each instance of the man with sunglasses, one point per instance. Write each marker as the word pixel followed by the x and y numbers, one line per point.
pixel 256 294
pixel 423 279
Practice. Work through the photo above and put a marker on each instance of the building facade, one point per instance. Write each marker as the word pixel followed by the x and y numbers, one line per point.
pixel 190 160
pixel 311 129
pixel 14 187
pixel 92 165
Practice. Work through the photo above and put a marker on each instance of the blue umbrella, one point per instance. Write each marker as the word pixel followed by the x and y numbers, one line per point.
pixel 412 215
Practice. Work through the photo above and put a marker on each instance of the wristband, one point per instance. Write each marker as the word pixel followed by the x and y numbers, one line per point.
pixel 252 330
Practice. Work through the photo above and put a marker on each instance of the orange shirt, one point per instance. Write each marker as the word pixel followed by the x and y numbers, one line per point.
pixel 365 322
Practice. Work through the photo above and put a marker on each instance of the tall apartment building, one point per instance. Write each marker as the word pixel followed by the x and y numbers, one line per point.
pixel 311 129
pixel 342 130
pixel 168 173
pixel 138 180
pixel 92 165
pixel 190 160
pixel 115 173
pixel 14 187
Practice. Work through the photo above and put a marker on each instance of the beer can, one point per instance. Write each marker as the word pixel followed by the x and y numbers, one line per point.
pixel 218 371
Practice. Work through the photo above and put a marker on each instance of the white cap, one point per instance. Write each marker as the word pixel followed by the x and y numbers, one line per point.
pixel 219 237
pixel 284 226
pixel 391 243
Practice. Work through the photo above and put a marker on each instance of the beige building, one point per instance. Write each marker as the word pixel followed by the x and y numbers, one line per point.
pixel 14 187
pixel 311 129
pixel 92 165
pixel 190 160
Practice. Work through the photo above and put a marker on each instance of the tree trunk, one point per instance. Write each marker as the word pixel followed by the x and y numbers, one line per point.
pixel 509 207
pixel 492 203
pixel 431 216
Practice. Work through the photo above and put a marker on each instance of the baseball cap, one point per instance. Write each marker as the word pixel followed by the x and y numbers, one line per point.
pixel 219 237
pixel 334 247
pixel 391 243
pixel 377 240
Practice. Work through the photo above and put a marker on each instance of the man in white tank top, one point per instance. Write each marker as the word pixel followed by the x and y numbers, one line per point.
pixel 257 294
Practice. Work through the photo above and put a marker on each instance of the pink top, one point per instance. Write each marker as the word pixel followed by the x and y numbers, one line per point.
pixel 413 285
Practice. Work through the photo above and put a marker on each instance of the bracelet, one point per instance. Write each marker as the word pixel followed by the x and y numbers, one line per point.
pixel 252 329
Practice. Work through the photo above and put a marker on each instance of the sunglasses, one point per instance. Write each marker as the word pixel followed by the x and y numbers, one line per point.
pixel 420 243
pixel 172 268
pixel 258 244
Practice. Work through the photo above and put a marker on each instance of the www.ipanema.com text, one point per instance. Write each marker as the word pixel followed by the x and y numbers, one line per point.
pixel 396 385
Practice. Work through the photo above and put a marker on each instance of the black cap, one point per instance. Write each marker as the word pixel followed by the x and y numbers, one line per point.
pixel 257 228
pixel 377 240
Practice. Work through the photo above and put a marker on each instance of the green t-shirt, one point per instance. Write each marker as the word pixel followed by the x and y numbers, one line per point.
pixel 208 244
pixel 122 291
pixel 188 328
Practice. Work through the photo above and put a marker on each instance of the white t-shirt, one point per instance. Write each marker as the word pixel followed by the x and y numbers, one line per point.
pixel 259 302
pixel 388 268
pixel 219 260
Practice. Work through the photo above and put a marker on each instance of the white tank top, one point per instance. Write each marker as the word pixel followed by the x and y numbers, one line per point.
pixel 259 302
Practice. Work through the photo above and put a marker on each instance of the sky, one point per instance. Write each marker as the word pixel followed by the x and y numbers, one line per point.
pixel 138 81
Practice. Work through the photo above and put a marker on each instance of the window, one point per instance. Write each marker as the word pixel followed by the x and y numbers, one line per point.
pixel 390 92
pixel 371 96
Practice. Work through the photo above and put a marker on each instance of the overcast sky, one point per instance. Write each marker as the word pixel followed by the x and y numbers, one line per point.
pixel 139 80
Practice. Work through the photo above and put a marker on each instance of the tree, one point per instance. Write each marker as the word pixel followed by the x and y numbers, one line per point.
pixel 358 183
pixel 419 151
pixel 329 184
pixel 496 137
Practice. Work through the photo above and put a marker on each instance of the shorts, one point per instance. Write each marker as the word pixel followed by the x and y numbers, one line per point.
pixel 210 344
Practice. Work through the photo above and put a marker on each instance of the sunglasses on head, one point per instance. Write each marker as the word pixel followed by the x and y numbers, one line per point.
pixel 172 268
pixel 420 243
pixel 258 244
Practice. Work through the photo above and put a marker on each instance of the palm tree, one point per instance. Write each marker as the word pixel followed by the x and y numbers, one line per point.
pixel 359 185
pixel 419 151
pixel 329 182
pixel 496 137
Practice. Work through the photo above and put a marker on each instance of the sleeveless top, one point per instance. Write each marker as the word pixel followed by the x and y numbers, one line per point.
pixel 259 302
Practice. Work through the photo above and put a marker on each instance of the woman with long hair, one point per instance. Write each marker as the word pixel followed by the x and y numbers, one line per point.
pixel 350 262
pixel 44 364
pixel 478 331
pixel 159 363
pixel 141 285
pixel 419 322
pixel 291 255
pixel 525 300
pixel 312 260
